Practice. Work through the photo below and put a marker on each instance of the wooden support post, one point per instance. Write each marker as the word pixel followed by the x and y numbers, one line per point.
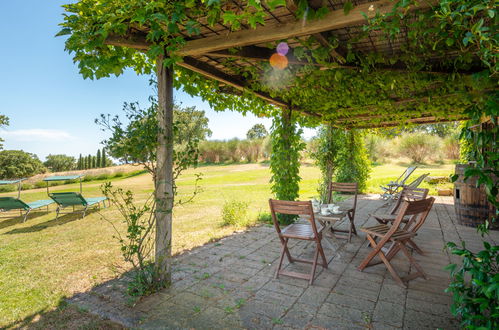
pixel 164 173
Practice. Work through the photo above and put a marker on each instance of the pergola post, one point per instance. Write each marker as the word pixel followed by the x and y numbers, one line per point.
pixel 164 172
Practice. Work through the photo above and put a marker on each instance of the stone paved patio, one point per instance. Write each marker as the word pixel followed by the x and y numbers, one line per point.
pixel 230 284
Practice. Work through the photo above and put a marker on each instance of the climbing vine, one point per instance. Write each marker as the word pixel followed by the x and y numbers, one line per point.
pixel 285 159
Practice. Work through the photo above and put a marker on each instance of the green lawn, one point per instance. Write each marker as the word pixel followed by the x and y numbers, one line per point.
pixel 45 259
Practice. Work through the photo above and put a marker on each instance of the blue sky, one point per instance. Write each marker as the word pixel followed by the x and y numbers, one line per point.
pixel 51 107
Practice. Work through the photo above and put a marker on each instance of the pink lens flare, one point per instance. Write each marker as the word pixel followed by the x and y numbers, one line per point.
pixel 282 48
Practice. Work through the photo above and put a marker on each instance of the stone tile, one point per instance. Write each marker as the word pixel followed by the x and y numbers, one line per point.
pixel 393 293
pixel 360 293
pixel 389 313
pixel 351 302
pixel 429 297
pixel 431 308
pixel 282 288
pixel 383 326
pixel 299 315
pixel 345 313
pixel 421 320
pixel 314 296
pixel 322 321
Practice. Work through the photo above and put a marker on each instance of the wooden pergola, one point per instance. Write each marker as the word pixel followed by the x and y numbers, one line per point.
pixel 220 54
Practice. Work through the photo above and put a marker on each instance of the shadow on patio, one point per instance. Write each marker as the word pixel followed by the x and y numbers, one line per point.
pixel 230 284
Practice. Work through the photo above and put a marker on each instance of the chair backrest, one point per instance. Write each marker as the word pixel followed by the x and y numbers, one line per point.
pixel 417 209
pixel 68 198
pixel 292 208
pixel 409 194
pixel 11 203
pixel 349 187
pixel 417 182
pixel 407 173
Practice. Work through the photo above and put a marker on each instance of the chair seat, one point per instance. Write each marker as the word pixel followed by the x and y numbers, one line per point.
pixel 381 230
pixel 300 231
pixel 388 217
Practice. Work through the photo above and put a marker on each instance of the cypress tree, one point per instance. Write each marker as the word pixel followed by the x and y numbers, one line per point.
pixel 80 163
pixel 93 162
pixel 103 158
pixel 98 159
pixel 89 162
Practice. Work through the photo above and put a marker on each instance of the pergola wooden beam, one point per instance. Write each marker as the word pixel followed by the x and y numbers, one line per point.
pixel 236 82
pixel 422 120
pixel 335 19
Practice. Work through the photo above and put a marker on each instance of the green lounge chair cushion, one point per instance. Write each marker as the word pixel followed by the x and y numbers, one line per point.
pixel 72 199
pixel 11 203
pixel 40 203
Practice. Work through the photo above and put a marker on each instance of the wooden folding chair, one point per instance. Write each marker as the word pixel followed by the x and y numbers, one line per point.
pixel 400 237
pixel 309 232
pixel 407 194
pixel 350 187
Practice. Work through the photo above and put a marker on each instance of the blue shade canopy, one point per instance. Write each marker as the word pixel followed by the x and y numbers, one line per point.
pixel 2 182
pixel 62 177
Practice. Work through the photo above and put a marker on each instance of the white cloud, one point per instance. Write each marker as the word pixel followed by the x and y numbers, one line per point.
pixel 35 135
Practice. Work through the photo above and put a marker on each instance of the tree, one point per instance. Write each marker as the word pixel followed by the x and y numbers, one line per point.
pixel 59 163
pixel 80 163
pixel 19 164
pixel 94 162
pixel 4 121
pixel 258 131
pixel 98 159
pixel 136 140
pixel 89 162
pixel 104 159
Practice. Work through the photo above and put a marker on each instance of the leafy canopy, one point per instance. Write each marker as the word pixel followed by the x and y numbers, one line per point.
pixel 461 27
pixel 258 131
pixel 19 164
pixel 59 163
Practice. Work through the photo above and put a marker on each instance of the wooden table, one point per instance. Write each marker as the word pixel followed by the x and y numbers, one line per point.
pixel 327 221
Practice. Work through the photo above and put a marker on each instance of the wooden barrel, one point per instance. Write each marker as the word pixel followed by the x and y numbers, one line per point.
pixel 470 202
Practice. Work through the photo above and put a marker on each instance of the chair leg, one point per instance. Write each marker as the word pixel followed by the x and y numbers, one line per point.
pixel 26 215
pixel 415 246
pixel 413 262
pixel 371 255
pixel 284 250
pixel 323 256
pixel 314 265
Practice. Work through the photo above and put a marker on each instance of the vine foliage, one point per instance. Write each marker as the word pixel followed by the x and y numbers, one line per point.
pixel 285 159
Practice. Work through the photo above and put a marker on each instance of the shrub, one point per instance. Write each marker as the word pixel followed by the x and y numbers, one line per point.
pixel 234 213
pixel 378 148
pixel 264 217
pixel 87 178
pixel 419 146
pixel 27 186
pixel 451 147
pixel 103 176
pixel 40 184
pixel 474 285
pixel 8 188
pixel 118 174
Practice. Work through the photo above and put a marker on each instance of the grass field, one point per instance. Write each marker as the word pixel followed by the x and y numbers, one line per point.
pixel 44 260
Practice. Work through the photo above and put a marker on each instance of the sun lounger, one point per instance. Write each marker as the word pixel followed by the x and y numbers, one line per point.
pixel 73 199
pixel 13 204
